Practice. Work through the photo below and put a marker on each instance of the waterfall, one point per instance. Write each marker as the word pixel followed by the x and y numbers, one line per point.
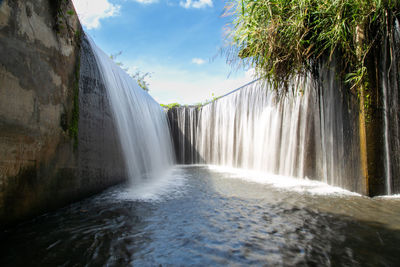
pixel 251 129
pixel 389 76
pixel 308 133
pixel 183 129
pixel 385 95
pixel 141 122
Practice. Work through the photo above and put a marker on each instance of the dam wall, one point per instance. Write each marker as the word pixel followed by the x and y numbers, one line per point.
pixel 58 141
pixel 321 129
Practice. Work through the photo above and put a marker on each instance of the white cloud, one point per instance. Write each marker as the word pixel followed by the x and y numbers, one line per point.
pixel 184 87
pixel 186 92
pixel 171 83
pixel 90 12
pixel 198 61
pixel 146 2
pixel 196 4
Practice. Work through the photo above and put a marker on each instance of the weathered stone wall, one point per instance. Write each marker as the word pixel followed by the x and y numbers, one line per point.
pixel 57 140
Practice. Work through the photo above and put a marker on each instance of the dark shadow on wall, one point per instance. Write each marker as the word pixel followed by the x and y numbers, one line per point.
pixel 183 128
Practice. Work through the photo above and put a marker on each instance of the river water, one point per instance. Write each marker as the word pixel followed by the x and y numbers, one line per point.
pixel 208 216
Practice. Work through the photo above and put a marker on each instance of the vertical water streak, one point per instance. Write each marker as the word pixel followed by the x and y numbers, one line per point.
pixel 386 112
pixel 252 129
pixel 332 125
pixel 142 124
pixel 390 82
pixel 395 101
pixel 184 131
pixel 182 126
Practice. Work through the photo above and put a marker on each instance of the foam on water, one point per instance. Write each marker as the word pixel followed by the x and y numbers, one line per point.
pixel 395 196
pixel 282 182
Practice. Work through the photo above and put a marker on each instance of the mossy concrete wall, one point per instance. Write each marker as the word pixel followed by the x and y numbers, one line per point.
pixel 56 131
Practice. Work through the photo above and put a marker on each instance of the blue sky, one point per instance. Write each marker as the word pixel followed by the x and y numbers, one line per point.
pixel 178 41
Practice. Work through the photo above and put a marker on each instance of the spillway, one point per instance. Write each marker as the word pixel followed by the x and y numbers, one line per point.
pixel 311 133
pixel 141 123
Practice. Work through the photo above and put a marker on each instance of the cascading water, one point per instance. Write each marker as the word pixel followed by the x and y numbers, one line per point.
pixel 306 134
pixel 142 125
pixel 385 95
pixel 389 76
pixel 183 121
pixel 249 129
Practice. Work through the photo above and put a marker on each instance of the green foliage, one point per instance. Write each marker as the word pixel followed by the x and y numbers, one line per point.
pixel 120 64
pixel 70 12
pixel 214 98
pixel 141 79
pixel 172 105
pixel 283 38
pixel 198 105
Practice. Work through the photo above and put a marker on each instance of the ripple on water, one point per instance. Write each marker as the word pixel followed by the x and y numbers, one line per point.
pixel 199 216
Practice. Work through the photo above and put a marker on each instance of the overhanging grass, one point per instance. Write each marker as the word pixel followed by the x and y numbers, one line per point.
pixel 283 38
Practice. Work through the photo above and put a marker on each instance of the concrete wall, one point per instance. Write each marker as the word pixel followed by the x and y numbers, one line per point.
pixel 57 139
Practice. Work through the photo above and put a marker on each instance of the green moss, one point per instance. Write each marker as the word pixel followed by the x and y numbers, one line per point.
pixel 56 8
pixel 59 12
pixel 74 123
pixel 78 37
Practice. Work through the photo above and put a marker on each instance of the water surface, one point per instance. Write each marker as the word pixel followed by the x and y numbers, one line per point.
pixel 203 216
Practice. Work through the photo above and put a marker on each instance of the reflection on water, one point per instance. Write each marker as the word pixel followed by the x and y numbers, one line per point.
pixel 206 218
